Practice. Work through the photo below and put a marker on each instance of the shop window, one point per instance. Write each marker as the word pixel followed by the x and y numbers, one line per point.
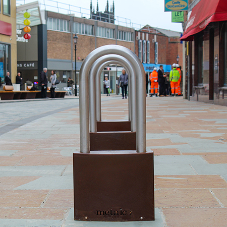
pixel 144 51
pixel 4 60
pixel 148 52
pixel 6 7
pixel 140 49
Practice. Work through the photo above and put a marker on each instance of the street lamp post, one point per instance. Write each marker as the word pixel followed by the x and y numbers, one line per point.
pixel 75 42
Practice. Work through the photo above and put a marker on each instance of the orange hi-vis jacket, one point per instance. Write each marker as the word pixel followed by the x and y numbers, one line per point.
pixel 179 73
pixel 154 76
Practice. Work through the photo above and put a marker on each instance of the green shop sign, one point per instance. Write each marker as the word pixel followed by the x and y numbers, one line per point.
pixel 178 16
pixel 176 5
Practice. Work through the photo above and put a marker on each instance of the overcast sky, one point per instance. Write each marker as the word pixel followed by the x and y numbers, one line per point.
pixel 138 11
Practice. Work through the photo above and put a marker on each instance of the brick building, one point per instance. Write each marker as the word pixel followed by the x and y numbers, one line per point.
pixel 155 46
pixel 54 42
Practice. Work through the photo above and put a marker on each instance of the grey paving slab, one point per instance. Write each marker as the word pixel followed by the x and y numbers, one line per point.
pixel 30 223
pixel 7 152
pixel 31 170
pixel 159 222
pixel 173 169
pixel 49 183
pixel 181 159
pixel 68 171
pixel 211 169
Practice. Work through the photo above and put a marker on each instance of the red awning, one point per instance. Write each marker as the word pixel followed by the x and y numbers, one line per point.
pixel 205 12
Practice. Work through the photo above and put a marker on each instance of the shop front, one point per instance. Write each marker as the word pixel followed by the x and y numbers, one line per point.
pixel 206 34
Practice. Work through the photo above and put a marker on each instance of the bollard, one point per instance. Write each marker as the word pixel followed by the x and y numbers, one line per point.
pixel 113 185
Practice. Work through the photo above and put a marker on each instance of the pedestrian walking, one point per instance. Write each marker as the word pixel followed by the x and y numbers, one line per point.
pixel 7 79
pixel 53 79
pixel 43 82
pixel 123 83
pixel 154 82
pixel 174 77
pixel 19 79
pixel 161 81
pixel 107 86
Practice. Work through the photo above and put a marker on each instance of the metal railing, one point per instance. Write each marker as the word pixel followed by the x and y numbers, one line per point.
pixel 64 8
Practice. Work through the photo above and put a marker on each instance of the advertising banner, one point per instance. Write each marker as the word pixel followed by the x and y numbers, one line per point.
pixel 1 70
pixel 176 5
pixel 178 17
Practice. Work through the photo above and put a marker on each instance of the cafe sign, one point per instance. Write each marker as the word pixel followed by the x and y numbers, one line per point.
pixel 176 5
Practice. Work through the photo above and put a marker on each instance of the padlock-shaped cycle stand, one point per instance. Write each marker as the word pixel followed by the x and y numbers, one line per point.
pixel 113 185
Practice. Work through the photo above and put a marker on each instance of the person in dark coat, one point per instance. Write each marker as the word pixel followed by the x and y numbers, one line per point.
pixel 123 83
pixel 43 82
pixel 7 79
pixel 19 79
pixel 161 81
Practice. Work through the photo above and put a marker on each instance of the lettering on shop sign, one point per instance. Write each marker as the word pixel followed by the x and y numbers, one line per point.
pixel 26 65
pixel 177 5
pixel 20 38
pixel 117 212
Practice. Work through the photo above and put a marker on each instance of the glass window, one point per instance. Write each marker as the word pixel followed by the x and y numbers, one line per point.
pixel 144 51
pixel 4 60
pixel 6 7
pixel 55 21
pixel 77 27
pixel 83 28
pixel 49 23
pixel 111 33
pixel 61 26
pixel 103 32
pixel 140 49
pixel 148 52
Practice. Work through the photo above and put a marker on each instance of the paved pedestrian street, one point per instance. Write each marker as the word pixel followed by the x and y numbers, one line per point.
pixel 38 138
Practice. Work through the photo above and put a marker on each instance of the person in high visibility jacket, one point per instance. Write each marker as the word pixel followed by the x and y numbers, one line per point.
pixel 154 82
pixel 173 78
pixel 179 81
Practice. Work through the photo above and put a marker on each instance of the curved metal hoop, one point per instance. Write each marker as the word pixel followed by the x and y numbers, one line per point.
pixel 94 89
pixel 98 89
pixel 84 97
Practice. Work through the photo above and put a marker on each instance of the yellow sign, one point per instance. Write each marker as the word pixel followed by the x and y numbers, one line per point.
pixel 176 5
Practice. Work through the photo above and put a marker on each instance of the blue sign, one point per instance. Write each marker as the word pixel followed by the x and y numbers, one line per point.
pixel 176 5
pixel 1 70
pixel 150 67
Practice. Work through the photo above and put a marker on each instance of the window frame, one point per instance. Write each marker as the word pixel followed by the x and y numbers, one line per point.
pixel 9 7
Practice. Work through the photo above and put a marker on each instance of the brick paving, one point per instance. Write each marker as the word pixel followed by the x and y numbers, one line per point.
pixel 38 138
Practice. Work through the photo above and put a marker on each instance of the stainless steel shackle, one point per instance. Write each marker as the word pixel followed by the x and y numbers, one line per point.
pixel 98 90
pixel 93 89
pixel 84 94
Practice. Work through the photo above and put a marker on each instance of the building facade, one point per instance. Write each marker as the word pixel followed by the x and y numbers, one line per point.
pixel 155 47
pixel 8 44
pixel 57 37
pixel 205 36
